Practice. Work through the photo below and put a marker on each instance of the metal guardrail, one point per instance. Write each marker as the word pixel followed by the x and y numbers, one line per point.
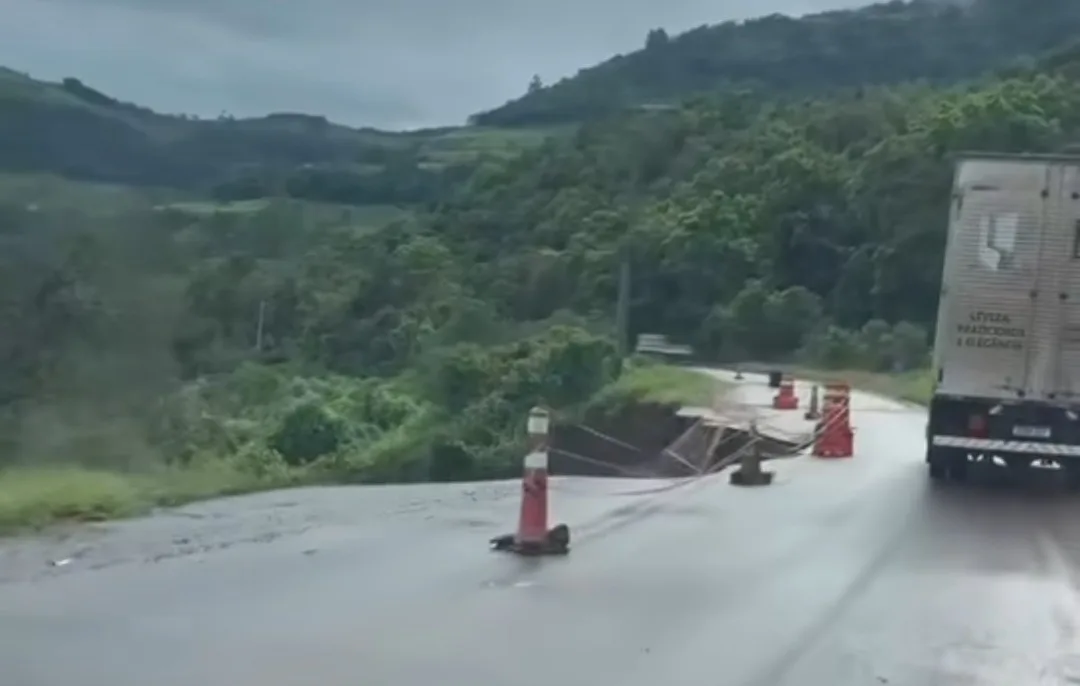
pixel 658 344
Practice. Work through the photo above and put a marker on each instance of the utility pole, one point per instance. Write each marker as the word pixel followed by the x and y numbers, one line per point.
pixel 622 311
pixel 259 330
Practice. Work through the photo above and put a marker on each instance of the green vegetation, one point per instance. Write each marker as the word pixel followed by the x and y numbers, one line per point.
pixel 915 386
pixel 32 498
pixel 936 41
pixel 70 129
pixel 184 338
pixel 644 383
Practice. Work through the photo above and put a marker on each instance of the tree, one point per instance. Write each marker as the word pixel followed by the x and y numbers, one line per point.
pixel 656 38
pixel 786 221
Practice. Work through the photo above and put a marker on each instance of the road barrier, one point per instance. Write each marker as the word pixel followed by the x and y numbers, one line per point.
pixel 775 444
pixel 532 536
pixel 750 472
pixel 785 398
pixel 842 392
pixel 834 435
pixel 768 447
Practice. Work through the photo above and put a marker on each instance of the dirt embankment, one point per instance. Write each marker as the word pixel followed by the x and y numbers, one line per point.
pixel 628 442
pixel 646 440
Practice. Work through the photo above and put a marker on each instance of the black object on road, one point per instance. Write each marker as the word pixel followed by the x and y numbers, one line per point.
pixel 750 472
pixel 557 542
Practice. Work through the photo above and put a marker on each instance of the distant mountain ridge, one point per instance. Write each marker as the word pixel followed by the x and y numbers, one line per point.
pixel 886 43
pixel 72 130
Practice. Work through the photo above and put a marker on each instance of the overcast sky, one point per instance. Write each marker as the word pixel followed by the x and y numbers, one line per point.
pixel 386 63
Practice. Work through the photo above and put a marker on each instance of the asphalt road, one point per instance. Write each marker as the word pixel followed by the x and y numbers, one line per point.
pixel 849 572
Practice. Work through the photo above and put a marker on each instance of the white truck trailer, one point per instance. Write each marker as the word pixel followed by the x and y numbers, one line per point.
pixel 1007 346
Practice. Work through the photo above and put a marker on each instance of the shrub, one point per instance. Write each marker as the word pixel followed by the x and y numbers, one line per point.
pixel 307 433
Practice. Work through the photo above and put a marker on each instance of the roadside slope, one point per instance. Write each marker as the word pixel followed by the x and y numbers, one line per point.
pixel 835 573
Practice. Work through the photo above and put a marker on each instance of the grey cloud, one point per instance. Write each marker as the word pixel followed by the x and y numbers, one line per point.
pixel 385 63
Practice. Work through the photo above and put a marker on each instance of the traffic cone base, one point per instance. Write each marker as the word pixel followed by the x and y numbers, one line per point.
pixel 533 537
pixel 837 445
pixel 555 542
pixel 783 402
pixel 743 478
pixel 750 472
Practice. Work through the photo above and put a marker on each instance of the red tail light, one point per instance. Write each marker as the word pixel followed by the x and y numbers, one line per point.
pixel 977 426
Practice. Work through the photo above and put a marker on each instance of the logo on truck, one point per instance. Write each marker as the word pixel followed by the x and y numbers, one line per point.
pixel 994 330
pixel 997 247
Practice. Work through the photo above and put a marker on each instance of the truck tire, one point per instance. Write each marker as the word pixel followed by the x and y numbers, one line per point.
pixel 946 463
pixel 937 471
pixel 1072 476
pixel 936 463
pixel 958 467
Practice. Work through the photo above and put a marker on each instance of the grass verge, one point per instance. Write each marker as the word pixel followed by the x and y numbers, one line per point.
pixel 914 386
pixel 656 384
pixel 33 498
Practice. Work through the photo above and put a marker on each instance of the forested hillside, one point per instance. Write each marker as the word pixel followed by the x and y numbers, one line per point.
pixel 70 129
pixel 750 219
pixel 272 340
pixel 939 41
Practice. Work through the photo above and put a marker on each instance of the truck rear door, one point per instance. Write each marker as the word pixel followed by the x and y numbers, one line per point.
pixel 991 303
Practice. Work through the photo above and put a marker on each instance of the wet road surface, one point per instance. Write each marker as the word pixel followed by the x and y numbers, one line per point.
pixel 843 572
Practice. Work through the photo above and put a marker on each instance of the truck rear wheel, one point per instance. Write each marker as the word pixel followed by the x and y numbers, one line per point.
pixel 936 463
pixel 1072 475
pixel 943 463
pixel 937 471
pixel 958 467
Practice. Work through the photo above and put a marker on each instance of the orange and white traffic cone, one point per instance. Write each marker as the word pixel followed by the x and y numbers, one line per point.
pixel 835 437
pixel 532 521
pixel 532 536
pixel 827 401
pixel 785 398
pixel 843 399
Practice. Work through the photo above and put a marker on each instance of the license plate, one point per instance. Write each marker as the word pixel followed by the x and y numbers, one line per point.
pixel 1031 431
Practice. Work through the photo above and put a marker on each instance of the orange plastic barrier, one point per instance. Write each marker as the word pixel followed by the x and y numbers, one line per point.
pixel 785 398
pixel 834 436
